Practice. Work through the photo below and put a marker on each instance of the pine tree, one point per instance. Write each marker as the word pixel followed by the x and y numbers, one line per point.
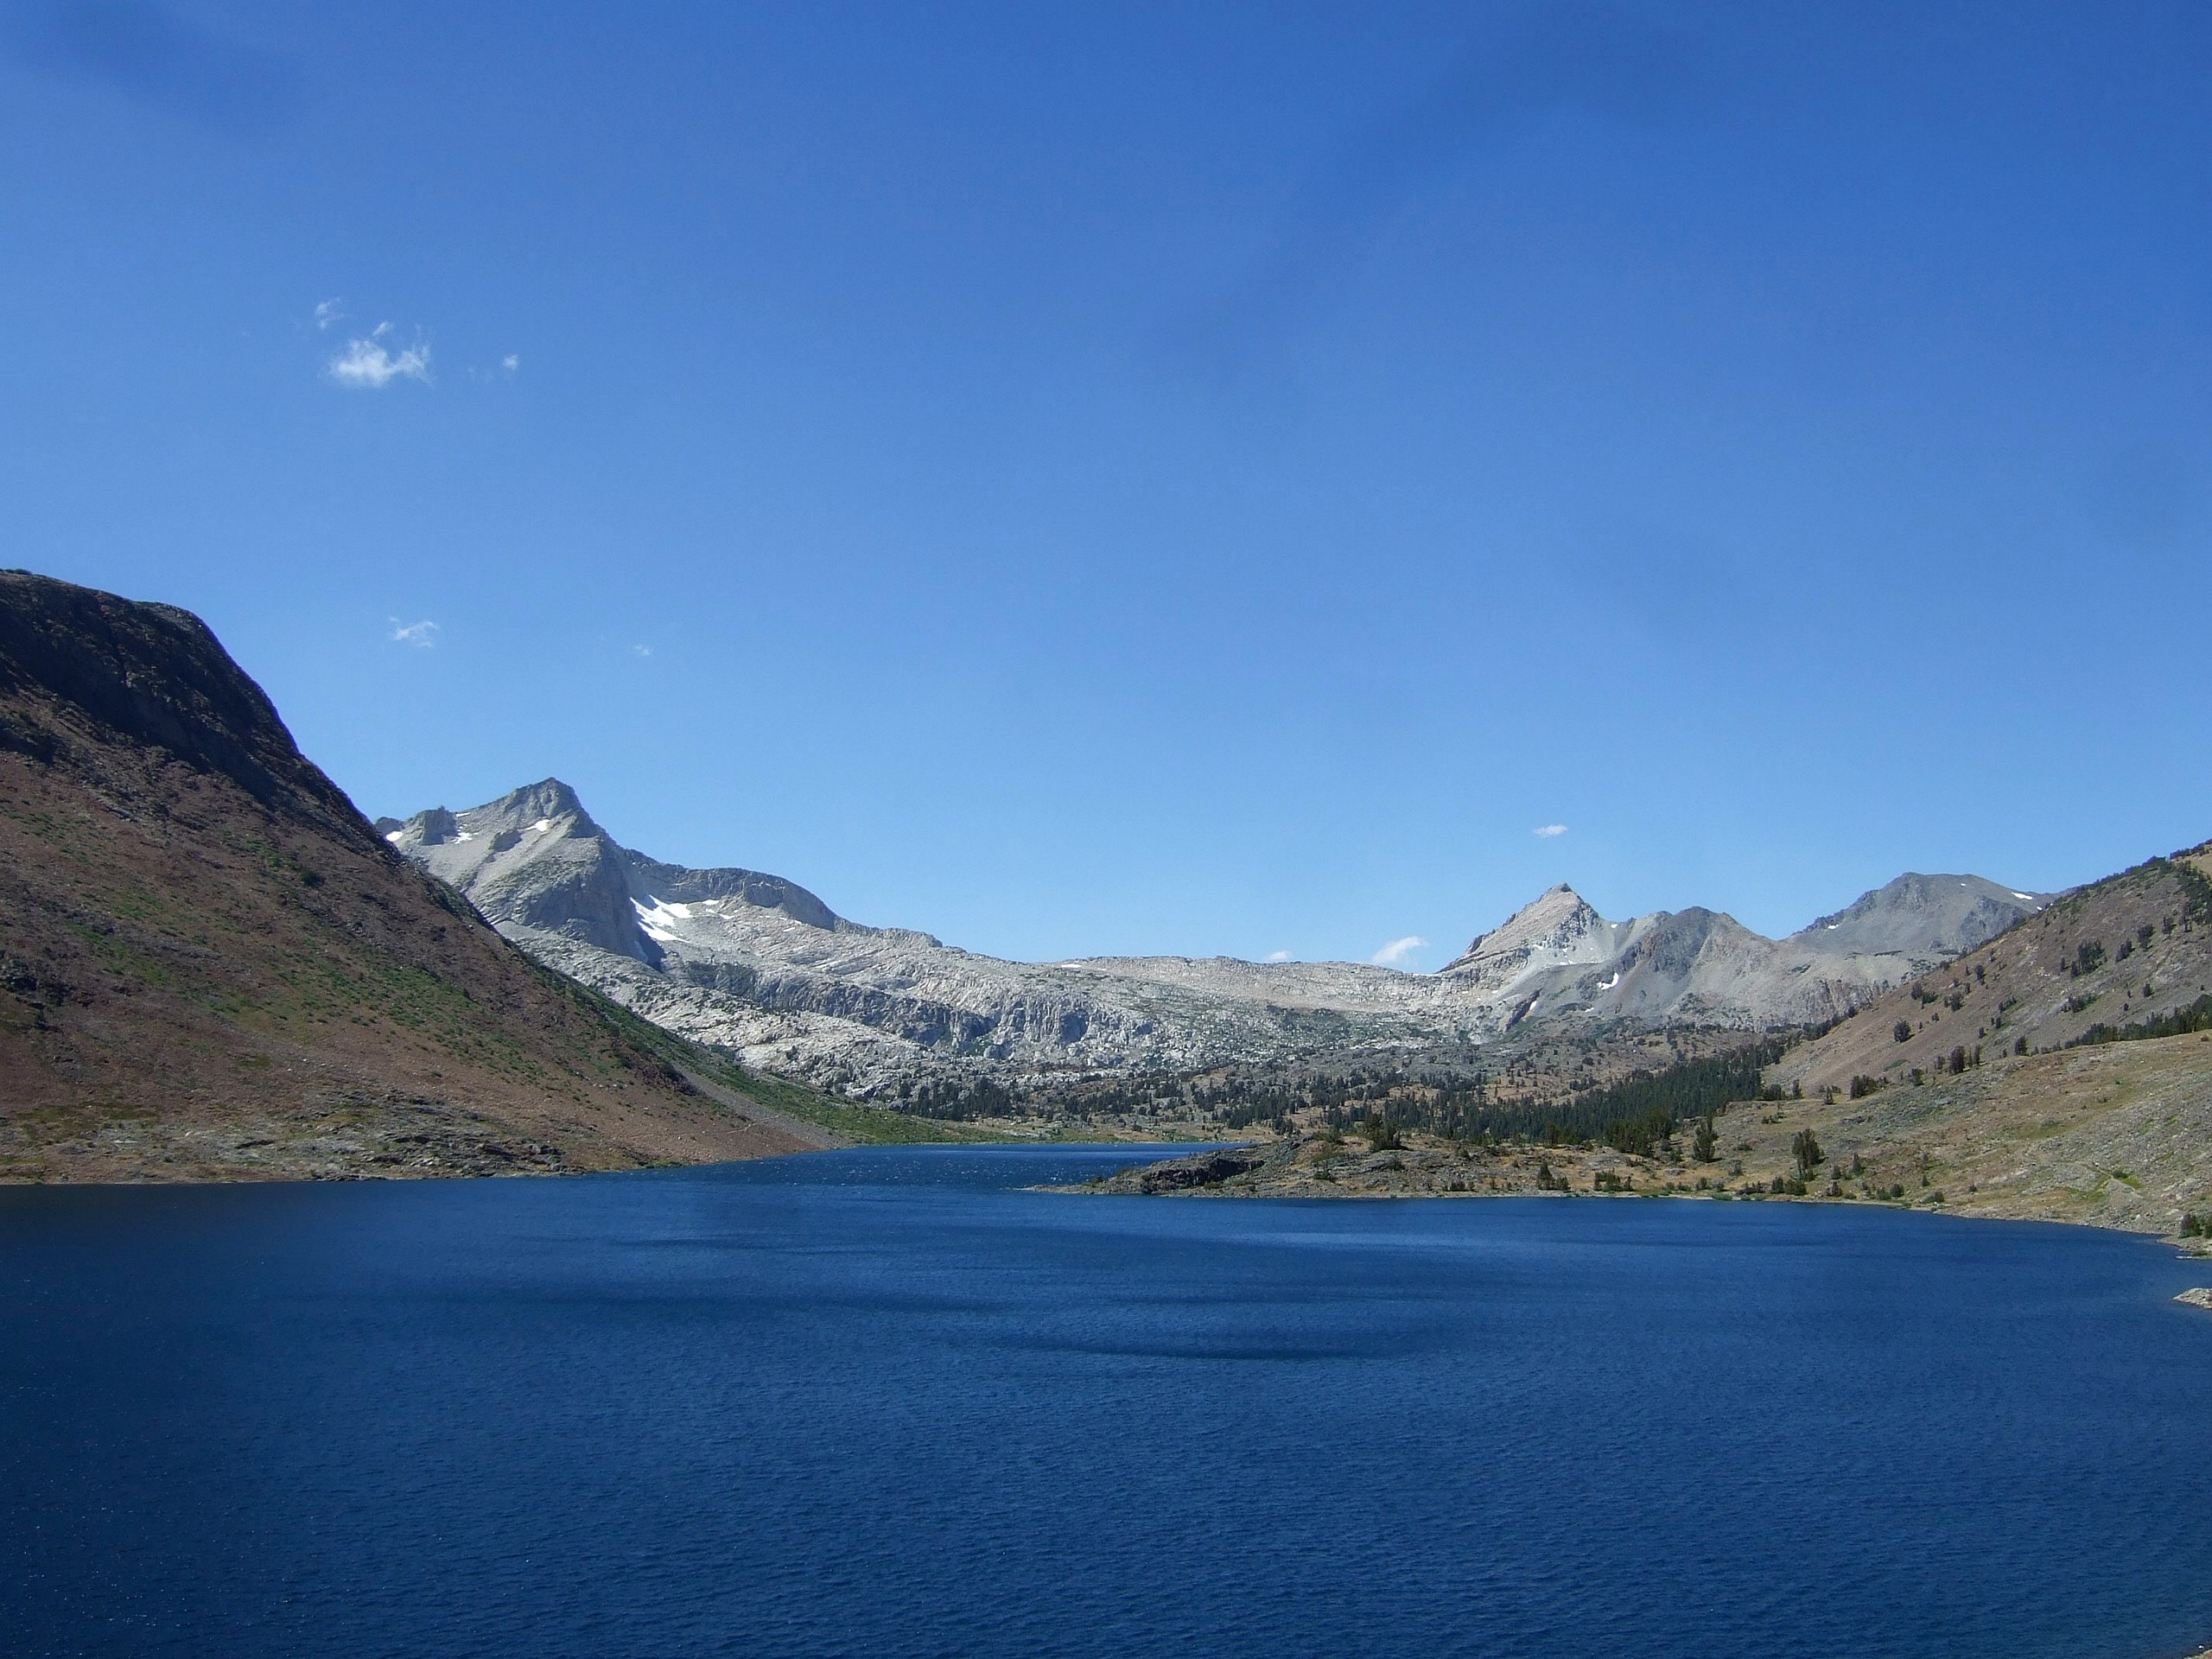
pixel 1807 1151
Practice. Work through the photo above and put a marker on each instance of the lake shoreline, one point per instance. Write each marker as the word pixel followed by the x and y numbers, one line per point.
pixel 1320 1166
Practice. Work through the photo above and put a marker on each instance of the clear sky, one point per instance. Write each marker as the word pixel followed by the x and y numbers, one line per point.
pixel 1170 477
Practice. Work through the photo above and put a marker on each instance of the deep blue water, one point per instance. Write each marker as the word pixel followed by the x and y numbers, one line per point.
pixel 883 1402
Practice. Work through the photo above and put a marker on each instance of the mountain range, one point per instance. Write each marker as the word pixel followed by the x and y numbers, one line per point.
pixel 759 965
pixel 212 967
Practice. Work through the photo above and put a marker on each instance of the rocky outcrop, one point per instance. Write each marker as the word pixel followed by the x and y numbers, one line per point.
pixel 1203 1170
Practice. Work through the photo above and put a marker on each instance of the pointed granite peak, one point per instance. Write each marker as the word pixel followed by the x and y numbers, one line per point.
pixel 1554 919
pixel 498 826
pixel 549 799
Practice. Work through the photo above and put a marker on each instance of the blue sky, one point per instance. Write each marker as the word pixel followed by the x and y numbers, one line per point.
pixel 1166 477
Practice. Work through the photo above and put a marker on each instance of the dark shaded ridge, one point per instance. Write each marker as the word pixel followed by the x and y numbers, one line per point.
pixel 155 675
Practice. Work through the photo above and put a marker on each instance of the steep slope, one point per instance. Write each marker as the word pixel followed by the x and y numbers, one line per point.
pixel 212 966
pixel 763 967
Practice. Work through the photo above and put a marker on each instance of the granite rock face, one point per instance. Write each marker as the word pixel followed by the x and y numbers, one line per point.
pixel 758 964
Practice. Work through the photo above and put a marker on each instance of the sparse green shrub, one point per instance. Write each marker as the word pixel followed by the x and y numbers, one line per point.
pixel 1901 1031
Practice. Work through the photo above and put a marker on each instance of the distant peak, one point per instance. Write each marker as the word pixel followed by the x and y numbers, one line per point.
pixel 548 798
pixel 1551 917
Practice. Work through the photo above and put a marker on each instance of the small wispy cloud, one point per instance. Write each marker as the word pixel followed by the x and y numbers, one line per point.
pixel 509 367
pixel 1395 953
pixel 642 651
pixel 421 635
pixel 329 313
pixel 1546 831
pixel 370 365
pixel 1276 956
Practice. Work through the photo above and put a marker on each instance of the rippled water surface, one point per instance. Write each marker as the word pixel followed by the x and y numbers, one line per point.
pixel 885 1402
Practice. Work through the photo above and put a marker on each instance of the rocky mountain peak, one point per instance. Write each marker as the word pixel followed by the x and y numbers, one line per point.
pixel 1924 915
pixel 549 798
pixel 1555 920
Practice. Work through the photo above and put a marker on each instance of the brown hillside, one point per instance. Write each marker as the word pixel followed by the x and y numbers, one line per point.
pixel 211 966
pixel 2118 952
pixel 2117 1132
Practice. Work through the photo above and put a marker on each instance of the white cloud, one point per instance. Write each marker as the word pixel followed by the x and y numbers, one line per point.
pixel 328 313
pixel 643 651
pixel 511 362
pixel 370 365
pixel 422 635
pixel 1547 831
pixel 1395 953
pixel 1276 956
